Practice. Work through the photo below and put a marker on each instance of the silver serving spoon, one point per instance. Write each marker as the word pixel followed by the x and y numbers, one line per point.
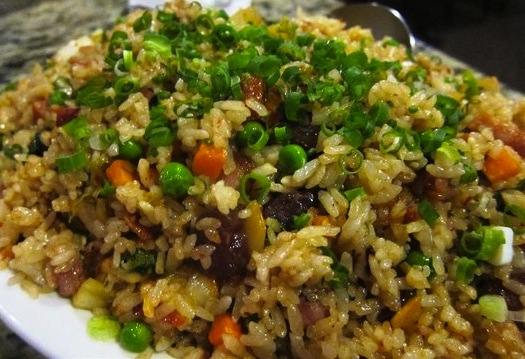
pixel 380 19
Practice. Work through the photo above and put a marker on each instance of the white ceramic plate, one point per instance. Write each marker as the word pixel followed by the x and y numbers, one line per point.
pixel 51 325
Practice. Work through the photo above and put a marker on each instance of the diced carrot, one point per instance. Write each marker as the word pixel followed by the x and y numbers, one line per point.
pixel 120 172
pixel 208 161
pixel 502 165
pixel 408 315
pixel 223 324
pixel 176 319
pixel 7 252
pixel 321 220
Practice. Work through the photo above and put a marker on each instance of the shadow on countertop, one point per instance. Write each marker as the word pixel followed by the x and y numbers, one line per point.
pixel 488 35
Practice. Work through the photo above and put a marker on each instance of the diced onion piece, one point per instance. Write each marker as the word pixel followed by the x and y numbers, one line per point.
pixel 92 294
pixel 505 252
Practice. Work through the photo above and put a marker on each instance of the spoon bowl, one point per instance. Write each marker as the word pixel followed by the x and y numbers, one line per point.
pixel 380 19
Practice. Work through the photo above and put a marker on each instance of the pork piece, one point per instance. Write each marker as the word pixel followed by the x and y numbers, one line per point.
pixel 508 132
pixel 433 188
pixel 231 254
pixel 69 281
pixel 305 135
pixel 287 205
pixel 243 166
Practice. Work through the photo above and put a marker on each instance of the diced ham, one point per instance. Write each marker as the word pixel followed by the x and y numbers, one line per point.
pixel 68 282
pixel 143 232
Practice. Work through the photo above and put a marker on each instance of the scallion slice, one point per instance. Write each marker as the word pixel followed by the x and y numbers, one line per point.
pixel 71 163
pixel 254 186
pixel 493 307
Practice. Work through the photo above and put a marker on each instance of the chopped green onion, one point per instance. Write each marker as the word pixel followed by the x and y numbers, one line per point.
pixel 254 186
pixel 301 220
pixel 483 243
pixel 427 211
pixel 351 162
pixel 253 136
pixel 11 151
pixel 450 108
pixel 289 51
pixel 235 86
pixel 391 141
pixel 204 24
pixel 77 129
pixel 431 140
pixel 124 86
pixel 127 57
pixel 224 36
pixel 103 327
pixel 340 279
pixel 107 189
pixel 469 174
pixel 220 81
pixel 118 42
pixel 264 66
pixel 493 307
pixel 71 163
pixel 353 193
pixel 292 105
pixel 157 43
pixel 417 258
pixel 143 22
pixel 92 94
pixel 353 137
pixel 283 134
pixel 447 151
pixel 104 140
pixel 465 269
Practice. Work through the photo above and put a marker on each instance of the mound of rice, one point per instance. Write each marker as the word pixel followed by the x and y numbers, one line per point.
pixel 332 194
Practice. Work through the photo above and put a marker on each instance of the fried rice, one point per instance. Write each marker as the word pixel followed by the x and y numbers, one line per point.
pixel 330 194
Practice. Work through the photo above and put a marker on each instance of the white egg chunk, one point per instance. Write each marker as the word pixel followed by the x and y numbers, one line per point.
pixel 505 251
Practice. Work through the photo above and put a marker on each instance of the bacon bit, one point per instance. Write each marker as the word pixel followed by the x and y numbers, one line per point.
pixel 69 281
pixel 65 114
pixel 253 87
pixel 433 188
pixel 175 319
pixel 144 233
pixel 138 311
pixel 40 109
pixel 508 132
pixel 147 92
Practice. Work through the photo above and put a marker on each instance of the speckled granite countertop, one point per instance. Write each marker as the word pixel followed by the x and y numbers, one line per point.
pixel 32 30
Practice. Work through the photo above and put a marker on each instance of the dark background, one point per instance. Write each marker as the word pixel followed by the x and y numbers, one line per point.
pixel 488 35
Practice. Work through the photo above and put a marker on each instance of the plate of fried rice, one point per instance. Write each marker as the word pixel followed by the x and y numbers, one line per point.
pixel 196 183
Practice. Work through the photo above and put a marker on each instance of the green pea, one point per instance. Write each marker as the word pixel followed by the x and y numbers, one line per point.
pixel 130 150
pixel 175 179
pixel 135 336
pixel 291 158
